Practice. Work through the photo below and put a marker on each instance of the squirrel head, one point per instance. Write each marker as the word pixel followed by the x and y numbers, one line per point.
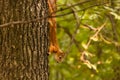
pixel 59 56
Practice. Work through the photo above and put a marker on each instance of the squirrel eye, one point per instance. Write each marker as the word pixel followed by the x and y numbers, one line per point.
pixel 60 57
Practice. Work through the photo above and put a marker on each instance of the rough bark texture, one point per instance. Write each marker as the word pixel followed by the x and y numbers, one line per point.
pixel 23 46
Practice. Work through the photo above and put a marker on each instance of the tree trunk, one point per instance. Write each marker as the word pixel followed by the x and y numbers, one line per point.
pixel 23 43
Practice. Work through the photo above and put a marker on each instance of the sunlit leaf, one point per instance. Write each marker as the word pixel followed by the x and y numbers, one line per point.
pixel 116 15
pixel 84 46
pixel 88 54
pixel 106 41
pixel 95 38
pixel 91 66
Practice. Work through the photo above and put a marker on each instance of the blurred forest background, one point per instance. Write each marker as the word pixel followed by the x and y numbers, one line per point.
pixel 89 33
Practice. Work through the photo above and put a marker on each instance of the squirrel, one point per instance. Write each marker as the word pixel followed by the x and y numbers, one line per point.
pixel 54 46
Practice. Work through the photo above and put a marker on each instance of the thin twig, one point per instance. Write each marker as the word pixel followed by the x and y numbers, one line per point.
pixel 77 26
pixel 89 27
pixel 73 38
pixel 70 12
pixel 83 55
pixel 79 3
pixel 97 32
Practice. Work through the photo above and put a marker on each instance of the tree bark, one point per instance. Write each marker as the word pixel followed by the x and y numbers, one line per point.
pixel 23 46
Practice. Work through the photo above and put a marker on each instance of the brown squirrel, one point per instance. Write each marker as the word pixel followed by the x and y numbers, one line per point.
pixel 54 46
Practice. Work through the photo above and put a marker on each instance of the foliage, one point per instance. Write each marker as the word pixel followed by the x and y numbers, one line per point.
pixel 89 33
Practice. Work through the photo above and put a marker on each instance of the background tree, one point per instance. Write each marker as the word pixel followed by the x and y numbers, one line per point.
pixel 23 40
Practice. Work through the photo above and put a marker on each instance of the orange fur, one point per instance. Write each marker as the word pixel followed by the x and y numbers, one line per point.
pixel 54 47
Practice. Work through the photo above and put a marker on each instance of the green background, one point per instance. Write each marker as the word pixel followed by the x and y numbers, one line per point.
pixel 78 25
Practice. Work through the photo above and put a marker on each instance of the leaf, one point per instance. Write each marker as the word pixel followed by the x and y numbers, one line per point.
pixel 88 54
pixel 116 15
pixel 103 39
pixel 84 46
pixel 91 66
pixel 95 38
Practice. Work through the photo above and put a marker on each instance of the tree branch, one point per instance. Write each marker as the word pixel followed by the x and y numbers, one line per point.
pixel 35 20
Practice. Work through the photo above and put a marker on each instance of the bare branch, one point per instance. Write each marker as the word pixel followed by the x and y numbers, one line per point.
pixel 35 20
